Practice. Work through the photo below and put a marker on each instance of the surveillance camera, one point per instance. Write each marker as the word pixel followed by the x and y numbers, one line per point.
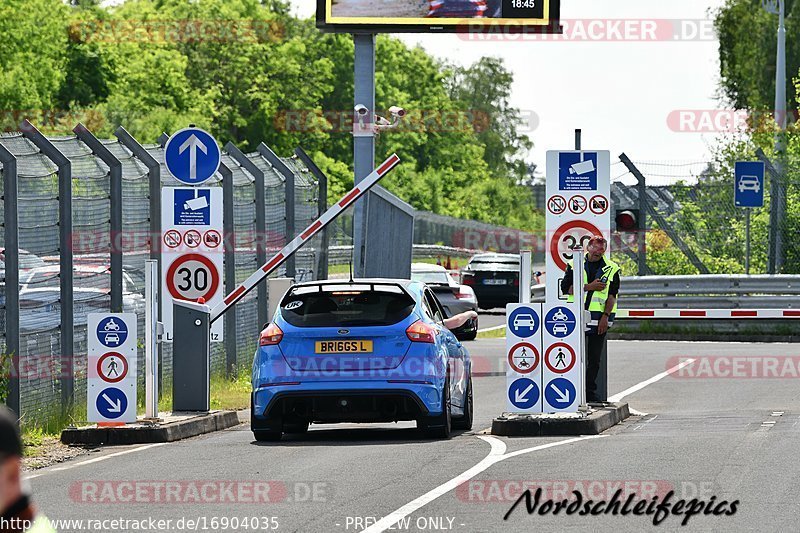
pixel 361 109
pixel 397 111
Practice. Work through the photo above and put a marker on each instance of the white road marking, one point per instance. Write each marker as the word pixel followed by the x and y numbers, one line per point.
pixel 658 377
pixel 94 460
pixel 495 328
pixel 496 454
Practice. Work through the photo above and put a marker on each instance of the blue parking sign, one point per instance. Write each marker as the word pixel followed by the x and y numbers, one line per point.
pixel 748 185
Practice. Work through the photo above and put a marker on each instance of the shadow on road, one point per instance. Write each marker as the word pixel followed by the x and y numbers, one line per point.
pixel 369 436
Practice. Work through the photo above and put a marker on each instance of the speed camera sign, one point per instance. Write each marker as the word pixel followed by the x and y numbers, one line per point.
pixel 192 269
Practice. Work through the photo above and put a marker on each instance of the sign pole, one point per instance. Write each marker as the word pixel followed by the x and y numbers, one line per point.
pixel 577 289
pixel 151 338
pixel 747 241
pixel 525 277
pixel 363 137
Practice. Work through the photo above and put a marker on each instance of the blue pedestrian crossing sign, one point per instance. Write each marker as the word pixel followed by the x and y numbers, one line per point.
pixel 560 393
pixel 111 403
pixel 192 156
pixel 523 393
pixel 749 184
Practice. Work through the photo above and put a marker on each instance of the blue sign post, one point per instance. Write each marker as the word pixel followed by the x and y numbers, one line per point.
pixel 749 184
pixel 748 191
pixel 192 156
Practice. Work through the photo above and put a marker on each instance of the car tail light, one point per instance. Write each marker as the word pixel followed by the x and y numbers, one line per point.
pixel 463 295
pixel 468 280
pixel 516 282
pixel 270 336
pixel 419 331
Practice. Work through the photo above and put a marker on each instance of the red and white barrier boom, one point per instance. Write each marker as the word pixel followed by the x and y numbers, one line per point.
pixel 327 217
pixel 707 313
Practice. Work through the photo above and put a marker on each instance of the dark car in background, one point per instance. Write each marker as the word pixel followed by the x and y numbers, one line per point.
pixel 455 298
pixel 494 277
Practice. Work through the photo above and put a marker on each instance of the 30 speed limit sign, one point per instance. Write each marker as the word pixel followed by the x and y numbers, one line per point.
pixel 193 276
pixel 193 269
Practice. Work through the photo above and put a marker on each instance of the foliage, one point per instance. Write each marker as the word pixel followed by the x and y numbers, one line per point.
pixel 246 70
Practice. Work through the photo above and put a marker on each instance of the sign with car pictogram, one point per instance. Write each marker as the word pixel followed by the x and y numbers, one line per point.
pixel 193 270
pixel 523 349
pixel 111 375
pixel 562 348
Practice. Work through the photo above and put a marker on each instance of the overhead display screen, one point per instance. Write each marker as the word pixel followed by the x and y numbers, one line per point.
pixel 435 16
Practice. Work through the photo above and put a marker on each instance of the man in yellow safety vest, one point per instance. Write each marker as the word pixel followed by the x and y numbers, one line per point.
pixel 601 285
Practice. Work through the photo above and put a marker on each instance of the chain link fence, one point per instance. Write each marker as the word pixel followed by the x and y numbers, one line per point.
pixel 62 179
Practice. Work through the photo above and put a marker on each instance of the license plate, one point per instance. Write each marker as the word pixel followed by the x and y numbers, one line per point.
pixel 494 282
pixel 348 346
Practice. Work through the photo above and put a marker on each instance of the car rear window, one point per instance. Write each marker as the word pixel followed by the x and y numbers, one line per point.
pixel 343 308
pixel 431 276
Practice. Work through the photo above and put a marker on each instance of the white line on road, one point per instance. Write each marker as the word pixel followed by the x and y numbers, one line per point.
pixel 496 454
pixel 494 328
pixel 95 460
pixel 658 377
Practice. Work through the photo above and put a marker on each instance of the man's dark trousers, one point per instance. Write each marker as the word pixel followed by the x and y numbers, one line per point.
pixel 594 351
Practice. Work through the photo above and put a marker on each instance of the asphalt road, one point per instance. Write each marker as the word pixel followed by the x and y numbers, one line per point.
pixel 711 431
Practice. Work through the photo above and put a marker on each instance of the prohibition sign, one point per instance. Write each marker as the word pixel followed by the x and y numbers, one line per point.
pixel 192 276
pixel 556 204
pixel 172 238
pixel 575 231
pixel 112 358
pixel 518 357
pixel 192 238
pixel 577 204
pixel 563 357
pixel 598 204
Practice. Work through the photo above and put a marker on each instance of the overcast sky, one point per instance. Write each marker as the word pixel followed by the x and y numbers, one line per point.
pixel 619 93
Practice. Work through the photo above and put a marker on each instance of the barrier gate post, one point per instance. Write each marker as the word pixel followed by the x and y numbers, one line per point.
pixel 191 356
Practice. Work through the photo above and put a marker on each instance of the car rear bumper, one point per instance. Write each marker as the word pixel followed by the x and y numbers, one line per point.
pixel 347 401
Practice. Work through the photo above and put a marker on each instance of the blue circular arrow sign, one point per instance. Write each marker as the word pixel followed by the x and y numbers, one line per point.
pixel 523 393
pixel 560 393
pixel 192 155
pixel 111 403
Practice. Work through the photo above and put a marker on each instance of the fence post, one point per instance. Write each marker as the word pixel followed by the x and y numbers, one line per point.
pixel 322 206
pixel 261 225
pixel 662 222
pixel 774 222
pixel 11 253
pixel 154 176
pixel 65 258
pixel 230 265
pixel 267 153
pixel 115 171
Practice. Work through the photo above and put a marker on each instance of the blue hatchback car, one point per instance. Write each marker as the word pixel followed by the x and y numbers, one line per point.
pixel 368 350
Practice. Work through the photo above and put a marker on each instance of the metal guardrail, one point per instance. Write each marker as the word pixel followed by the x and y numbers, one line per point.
pixel 705 292
pixel 340 255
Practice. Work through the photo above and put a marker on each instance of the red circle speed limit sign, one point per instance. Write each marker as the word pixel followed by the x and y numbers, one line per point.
pixel 568 237
pixel 192 276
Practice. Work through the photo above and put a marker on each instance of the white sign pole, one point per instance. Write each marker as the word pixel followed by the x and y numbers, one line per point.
pixel 525 277
pixel 580 296
pixel 151 338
